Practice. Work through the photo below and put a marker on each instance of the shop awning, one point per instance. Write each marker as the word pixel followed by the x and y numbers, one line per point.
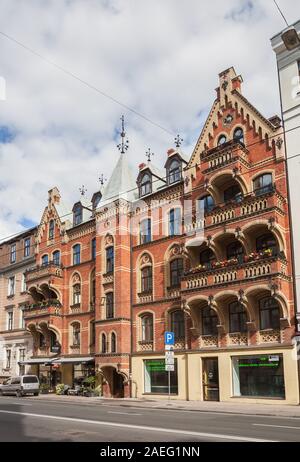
pixel 82 359
pixel 36 361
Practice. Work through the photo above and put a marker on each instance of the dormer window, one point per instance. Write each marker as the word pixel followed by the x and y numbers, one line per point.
pixel 77 215
pixel 145 185
pixel 96 200
pixel 174 171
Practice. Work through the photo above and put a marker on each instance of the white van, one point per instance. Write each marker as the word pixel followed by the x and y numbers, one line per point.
pixel 21 385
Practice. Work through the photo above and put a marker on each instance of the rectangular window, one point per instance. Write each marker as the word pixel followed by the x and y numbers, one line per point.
pixel 109 305
pixel 27 247
pixel 175 222
pixel 11 286
pixel 145 231
pixel 94 249
pixel 258 376
pixel 156 378
pixel 22 353
pixel 110 260
pixel 76 254
pixel 21 318
pixel 13 253
pixel 8 359
pixel 10 320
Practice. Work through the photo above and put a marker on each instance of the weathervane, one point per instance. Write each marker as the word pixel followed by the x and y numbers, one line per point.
pixel 102 179
pixel 82 190
pixel 178 141
pixel 124 145
pixel 149 154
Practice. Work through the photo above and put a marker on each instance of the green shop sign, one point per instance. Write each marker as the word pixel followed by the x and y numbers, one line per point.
pixel 260 361
pixel 156 365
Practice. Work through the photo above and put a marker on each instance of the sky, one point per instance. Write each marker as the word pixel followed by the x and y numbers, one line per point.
pixel 160 57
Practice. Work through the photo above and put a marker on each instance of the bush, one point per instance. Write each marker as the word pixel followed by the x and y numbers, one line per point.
pixel 44 388
pixel 59 389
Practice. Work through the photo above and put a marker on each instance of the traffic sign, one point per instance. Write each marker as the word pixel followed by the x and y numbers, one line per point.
pixel 170 361
pixel 169 347
pixel 170 367
pixel 169 338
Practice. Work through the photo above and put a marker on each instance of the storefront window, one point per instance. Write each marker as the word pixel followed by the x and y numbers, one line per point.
pixel 156 378
pixel 81 372
pixel 258 376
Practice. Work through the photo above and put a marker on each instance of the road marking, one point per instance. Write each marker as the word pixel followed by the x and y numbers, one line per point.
pixel 276 426
pixel 122 413
pixel 140 427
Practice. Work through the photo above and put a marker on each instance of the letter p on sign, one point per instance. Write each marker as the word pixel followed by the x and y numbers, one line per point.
pixel 169 338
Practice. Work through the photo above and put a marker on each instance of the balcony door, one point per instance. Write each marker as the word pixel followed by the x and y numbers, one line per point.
pixel 210 368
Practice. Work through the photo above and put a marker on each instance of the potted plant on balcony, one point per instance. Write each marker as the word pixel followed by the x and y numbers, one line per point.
pixel 267 252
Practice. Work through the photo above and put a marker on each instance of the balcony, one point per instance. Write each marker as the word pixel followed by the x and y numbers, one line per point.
pixel 46 308
pixel 250 267
pixel 145 345
pixel 43 271
pixel 232 153
pixel 145 297
pixel 260 201
pixel 173 292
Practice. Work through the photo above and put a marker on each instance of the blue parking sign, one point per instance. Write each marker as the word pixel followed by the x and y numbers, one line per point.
pixel 169 338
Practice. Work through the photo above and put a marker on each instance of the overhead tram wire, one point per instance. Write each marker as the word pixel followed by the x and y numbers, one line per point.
pixel 85 82
pixel 11 236
pixel 281 13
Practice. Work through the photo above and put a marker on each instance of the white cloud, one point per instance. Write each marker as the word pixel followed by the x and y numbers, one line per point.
pixel 160 58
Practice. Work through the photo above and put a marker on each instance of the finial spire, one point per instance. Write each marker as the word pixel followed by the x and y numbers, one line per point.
pixel 149 154
pixel 124 145
pixel 178 141
pixel 82 190
pixel 102 179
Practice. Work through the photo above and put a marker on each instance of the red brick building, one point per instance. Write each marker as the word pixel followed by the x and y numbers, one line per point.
pixel 200 248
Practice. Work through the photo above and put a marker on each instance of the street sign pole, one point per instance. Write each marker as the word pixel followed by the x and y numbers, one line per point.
pixel 169 358
pixel 169 384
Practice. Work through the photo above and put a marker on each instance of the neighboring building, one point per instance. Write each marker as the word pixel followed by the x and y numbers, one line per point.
pixel 113 275
pixel 288 61
pixel 16 256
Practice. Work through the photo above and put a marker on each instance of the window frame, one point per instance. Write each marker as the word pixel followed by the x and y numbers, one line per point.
pixel 109 305
pixel 147 326
pixel 177 326
pixel 76 254
pixel 147 279
pixel 177 271
pixel 146 186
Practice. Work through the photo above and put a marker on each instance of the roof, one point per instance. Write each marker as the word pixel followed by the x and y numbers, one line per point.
pixel 120 184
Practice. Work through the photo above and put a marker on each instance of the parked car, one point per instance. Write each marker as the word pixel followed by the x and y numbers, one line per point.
pixel 20 386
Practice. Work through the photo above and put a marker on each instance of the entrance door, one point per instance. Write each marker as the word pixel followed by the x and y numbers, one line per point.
pixel 118 385
pixel 210 379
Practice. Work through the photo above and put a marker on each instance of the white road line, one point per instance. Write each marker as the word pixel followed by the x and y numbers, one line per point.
pixel 141 427
pixel 275 426
pixel 122 413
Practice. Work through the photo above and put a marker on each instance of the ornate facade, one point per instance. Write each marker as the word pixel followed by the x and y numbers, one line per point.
pixel 201 248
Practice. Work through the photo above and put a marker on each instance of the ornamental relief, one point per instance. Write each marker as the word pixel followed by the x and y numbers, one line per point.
pixel 145 259
pixel 109 240
pixel 76 279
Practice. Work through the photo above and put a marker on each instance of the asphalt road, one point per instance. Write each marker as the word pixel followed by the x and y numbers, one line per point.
pixel 31 419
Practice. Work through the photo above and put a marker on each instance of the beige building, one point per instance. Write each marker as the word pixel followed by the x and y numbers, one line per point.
pixel 16 256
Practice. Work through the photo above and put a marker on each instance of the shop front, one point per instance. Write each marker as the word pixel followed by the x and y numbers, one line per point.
pixel 73 371
pixel 239 375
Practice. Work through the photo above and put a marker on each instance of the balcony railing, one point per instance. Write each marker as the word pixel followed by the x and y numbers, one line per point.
pixel 47 307
pixel 251 266
pixel 231 152
pixel 41 271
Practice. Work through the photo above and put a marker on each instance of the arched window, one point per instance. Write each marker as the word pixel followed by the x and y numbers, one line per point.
pixel 237 318
pixel 269 314
pixel 45 260
pixel 263 184
pixel 146 279
pixel 103 344
pixel 96 200
pixel 175 222
pixel 76 294
pixel 109 260
pixel 51 229
pixel 76 334
pixel 145 231
pixel 177 324
pixel 235 250
pixel 76 254
pixel 233 194
pixel 238 135
pixel 206 204
pixel 113 343
pixel 267 242
pixel 77 214
pixel 93 290
pixel 207 258
pixel 110 305
pixel 210 322
pixel 174 171
pixel 93 249
pixel 147 328
pixel 56 257
pixel 145 185
pixel 222 140
pixel 42 341
pixel 176 272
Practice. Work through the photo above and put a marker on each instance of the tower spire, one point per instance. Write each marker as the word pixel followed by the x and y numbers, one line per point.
pixel 124 145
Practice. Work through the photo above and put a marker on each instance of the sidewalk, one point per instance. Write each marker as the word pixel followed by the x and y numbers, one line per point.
pixel 191 406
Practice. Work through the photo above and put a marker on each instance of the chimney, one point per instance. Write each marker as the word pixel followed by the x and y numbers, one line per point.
pixel 142 166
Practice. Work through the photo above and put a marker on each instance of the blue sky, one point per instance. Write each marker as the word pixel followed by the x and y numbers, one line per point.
pixel 54 131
